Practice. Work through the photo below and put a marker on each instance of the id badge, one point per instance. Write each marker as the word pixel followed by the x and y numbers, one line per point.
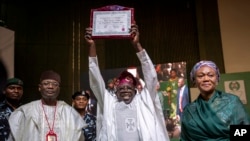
pixel 51 136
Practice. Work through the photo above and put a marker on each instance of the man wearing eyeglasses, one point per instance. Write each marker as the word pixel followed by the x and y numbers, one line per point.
pixel 47 119
pixel 13 92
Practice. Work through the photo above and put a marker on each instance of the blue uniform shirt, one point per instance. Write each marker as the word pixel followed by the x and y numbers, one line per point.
pixel 5 111
pixel 90 130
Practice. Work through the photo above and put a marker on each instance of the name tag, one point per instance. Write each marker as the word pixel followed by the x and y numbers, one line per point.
pixel 51 136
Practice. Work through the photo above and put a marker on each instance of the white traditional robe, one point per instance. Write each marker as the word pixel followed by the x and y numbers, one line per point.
pixel 28 122
pixel 150 120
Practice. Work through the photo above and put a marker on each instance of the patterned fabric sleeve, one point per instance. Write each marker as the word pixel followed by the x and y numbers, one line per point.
pixel 90 130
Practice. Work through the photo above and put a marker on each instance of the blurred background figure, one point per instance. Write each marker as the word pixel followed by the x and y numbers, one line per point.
pixel 160 94
pixel 111 86
pixel 172 86
pixel 183 97
pixel 92 103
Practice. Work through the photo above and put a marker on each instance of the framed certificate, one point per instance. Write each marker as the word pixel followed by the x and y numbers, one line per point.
pixel 112 21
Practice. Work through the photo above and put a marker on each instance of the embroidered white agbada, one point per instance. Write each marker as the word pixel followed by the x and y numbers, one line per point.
pixel 149 120
pixel 28 122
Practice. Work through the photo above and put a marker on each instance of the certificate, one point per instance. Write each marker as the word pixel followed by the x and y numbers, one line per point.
pixel 111 21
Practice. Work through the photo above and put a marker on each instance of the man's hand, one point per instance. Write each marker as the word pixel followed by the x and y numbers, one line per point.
pixel 134 33
pixel 88 36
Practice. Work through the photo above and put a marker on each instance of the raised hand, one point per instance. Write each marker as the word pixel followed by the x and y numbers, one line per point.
pixel 88 35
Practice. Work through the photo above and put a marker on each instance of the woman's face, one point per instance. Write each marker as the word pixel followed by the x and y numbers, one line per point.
pixel 206 80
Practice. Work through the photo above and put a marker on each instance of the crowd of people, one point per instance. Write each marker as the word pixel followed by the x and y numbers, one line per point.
pixel 127 107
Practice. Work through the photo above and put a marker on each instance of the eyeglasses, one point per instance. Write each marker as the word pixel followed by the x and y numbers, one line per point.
pixel 47 83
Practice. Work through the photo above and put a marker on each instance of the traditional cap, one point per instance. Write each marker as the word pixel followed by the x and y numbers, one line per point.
pixel 127 77
pixel 80 93
pixel 50 74
pixel 14 81
pixel 198 65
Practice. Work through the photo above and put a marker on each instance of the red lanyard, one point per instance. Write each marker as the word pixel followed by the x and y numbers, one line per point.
pixel 50 128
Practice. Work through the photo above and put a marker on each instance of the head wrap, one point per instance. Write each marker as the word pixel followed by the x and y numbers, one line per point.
pixel 50 74
pixel 127 77
pixel 198 65
pixel 14 81
pixel 80 93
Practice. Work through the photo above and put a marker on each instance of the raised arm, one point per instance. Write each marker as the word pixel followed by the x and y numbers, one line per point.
pixel 149 73
pixel 91 42
pixel 96 81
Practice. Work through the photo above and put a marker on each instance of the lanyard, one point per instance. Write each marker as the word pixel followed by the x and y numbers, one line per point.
pixel 50 128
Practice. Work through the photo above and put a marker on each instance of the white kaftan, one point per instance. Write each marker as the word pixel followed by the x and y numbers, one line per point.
pixel 150 124
pixel 28 122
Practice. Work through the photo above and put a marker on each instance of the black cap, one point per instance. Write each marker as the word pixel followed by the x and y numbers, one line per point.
pixel 14 81
pixel 80 93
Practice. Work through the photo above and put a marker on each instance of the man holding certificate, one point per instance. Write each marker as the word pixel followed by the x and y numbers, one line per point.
pixel 129 115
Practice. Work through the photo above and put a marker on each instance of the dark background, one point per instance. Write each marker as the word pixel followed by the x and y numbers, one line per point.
pixel 49 35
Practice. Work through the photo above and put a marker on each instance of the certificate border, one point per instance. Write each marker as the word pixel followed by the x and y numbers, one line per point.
pixel 110 8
